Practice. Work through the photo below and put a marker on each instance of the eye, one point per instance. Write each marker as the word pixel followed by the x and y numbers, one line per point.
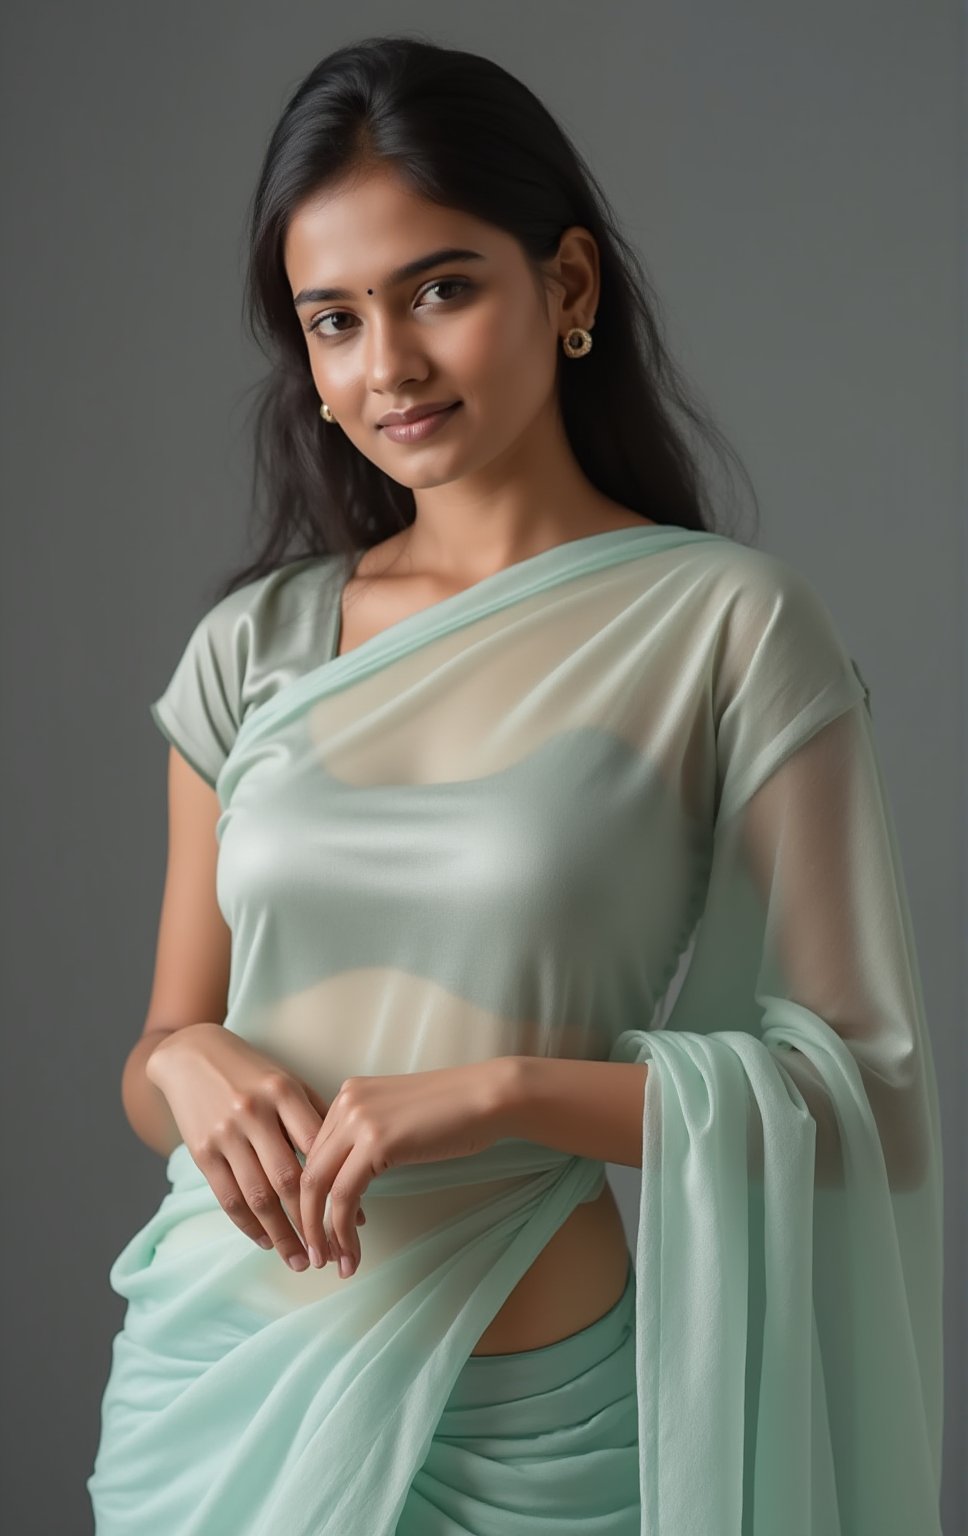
pixel 460 283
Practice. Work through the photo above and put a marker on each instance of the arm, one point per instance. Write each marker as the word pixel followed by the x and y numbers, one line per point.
pixel 145 1105
pixel 835 938
pixel 588 1108
pixel 822 924
pixel 192 957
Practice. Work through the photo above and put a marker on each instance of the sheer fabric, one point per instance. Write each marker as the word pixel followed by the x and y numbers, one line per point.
pixel 505 825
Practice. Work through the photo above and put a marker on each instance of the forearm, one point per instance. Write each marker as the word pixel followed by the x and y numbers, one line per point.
pixel 588 1108
pixel 144 1104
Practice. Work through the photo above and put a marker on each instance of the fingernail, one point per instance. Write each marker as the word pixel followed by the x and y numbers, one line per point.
pixel 297 1261
pixel 264 1241
pixel 346 1265
pixel 315 1257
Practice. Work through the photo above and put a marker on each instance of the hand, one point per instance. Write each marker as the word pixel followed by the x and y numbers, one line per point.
pixel 376 1123
pixel 241 1116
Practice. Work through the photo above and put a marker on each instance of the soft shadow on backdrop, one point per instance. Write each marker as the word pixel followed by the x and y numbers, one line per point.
pixel 793 183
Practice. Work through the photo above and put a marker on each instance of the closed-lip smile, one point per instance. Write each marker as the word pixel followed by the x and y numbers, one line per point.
pixel 414 413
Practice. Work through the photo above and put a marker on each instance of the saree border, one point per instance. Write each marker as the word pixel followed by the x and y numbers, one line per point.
pixel 512 583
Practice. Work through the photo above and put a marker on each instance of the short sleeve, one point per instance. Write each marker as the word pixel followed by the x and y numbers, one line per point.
pixel 783 672
pixel 200 710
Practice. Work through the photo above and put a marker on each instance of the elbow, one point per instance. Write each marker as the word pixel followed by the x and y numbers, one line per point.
pixel 895 1115
pixel 901 1120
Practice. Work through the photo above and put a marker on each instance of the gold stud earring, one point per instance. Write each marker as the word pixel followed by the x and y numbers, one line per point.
pixel 326 413
pixel 577 342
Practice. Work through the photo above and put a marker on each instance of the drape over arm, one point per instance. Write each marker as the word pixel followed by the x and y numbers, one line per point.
pixel 789 1242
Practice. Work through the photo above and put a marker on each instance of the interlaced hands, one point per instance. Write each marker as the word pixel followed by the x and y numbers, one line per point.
pixel 245 1119
pixel 377 1123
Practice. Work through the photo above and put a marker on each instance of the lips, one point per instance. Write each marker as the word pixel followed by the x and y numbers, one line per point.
pixel 419 413
pixel 423 428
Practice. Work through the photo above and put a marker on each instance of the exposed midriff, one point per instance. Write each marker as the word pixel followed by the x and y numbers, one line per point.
pixel 577 1277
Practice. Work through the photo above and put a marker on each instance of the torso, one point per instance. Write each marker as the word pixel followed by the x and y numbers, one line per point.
pixel 581 1272
pixel 576 1278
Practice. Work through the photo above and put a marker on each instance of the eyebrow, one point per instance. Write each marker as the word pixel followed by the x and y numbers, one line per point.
pixel 398 275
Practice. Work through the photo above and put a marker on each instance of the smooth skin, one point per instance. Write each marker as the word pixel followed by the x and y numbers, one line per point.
pixel 497 484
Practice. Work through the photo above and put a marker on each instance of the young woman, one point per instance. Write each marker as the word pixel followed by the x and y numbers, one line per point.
pixel 497 732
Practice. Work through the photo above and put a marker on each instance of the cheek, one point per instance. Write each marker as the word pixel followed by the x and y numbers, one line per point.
pixel 496 353
pixel 317 371
pixel 338 381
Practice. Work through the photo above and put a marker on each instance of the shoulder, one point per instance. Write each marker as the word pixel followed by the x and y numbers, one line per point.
pixel 250 613
pixel 753 600
pixel 780 665
pixel 267 623
pixel 742 575
pixel 236 651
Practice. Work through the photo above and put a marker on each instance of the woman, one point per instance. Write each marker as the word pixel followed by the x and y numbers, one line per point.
pixel 453 793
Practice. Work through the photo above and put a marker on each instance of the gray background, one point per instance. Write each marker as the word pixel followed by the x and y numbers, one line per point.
pixel 793 178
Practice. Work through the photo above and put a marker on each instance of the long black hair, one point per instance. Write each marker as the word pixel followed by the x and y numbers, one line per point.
pixel 461 132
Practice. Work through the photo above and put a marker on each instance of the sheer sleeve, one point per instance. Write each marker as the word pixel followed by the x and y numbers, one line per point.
pixel 789 1249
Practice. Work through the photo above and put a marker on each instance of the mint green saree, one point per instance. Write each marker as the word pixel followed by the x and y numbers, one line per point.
pixel 618 801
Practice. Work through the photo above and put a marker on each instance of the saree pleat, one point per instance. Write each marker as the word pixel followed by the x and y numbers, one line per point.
pixel 527 1438
pixel 505 825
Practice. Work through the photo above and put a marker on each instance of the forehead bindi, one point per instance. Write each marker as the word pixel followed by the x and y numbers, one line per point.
pixel 426 261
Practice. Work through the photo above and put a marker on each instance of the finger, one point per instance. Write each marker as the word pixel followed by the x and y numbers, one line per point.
pixel 317 1101
pixel 344 1199
pixel 320 1242
pixel 315 1230
pixel 218 1172
pixel 302 1112
pixel 322 1166
pixel 262 1200
pixel 277 1158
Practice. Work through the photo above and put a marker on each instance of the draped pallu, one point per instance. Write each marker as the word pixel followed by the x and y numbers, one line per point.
pixel 620 800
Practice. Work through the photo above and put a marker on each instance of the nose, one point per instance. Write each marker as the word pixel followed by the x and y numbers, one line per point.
pixel 391 355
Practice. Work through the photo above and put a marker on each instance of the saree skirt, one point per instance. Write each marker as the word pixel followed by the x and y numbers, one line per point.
pixel 542 1441
pixel 539 1441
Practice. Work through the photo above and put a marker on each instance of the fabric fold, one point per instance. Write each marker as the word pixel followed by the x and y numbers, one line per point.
pixel 620 802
